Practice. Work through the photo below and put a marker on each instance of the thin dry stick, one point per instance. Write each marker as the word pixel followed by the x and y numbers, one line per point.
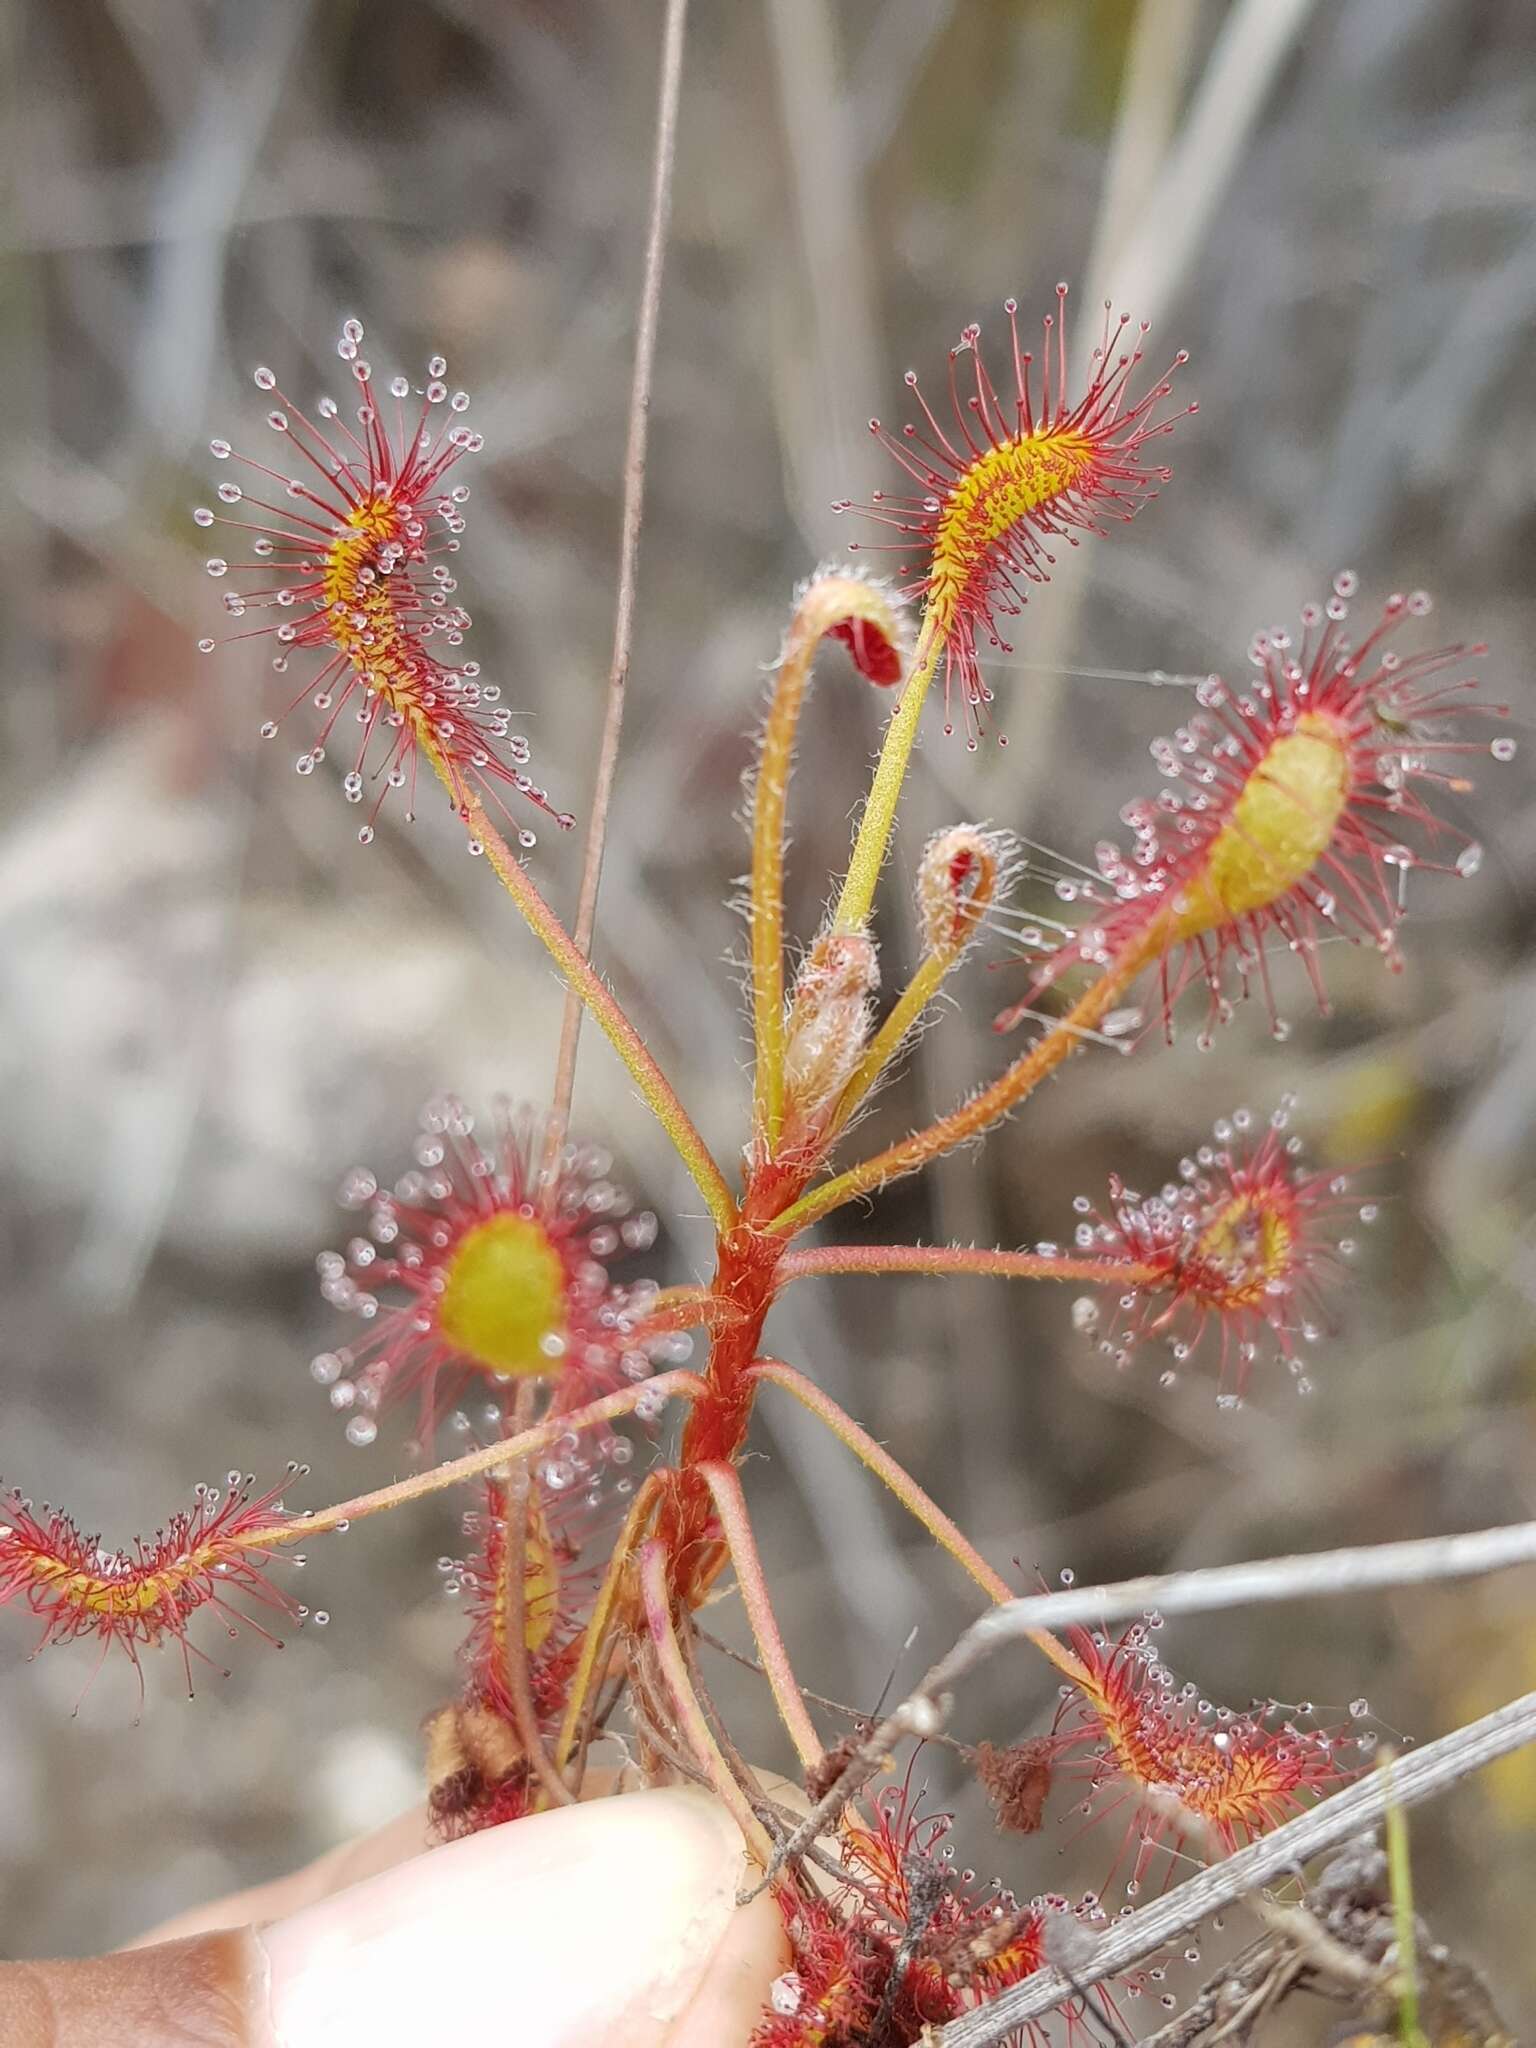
pixel 629 548
pixel 1318 1574
pixel 1309 1574
pixel 1428 1771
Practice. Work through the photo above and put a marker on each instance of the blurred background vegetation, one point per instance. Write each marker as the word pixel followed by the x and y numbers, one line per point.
pixel 213 1002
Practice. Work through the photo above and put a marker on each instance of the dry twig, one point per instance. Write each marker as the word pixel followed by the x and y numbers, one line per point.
pixel 629 552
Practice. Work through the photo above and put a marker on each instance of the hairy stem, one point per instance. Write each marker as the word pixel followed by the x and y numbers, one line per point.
pixel 770 793
pixel 829 604
pixel 679 1308
pixel 736 1526
pixel 951 1260
pixel 989 1104
pixel 873 839
pixel 629 549
pixel 660 1097
pixel 692 1722
pixel 665 1386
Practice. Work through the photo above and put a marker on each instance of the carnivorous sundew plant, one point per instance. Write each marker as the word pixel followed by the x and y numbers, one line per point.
pixel 496 1274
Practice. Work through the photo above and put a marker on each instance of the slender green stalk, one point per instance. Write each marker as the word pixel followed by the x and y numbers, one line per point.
pixel 1400 1878
pixel 873 839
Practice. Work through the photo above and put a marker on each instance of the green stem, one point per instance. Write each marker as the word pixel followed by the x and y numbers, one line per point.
pixel 1400 1878
pixel 873 839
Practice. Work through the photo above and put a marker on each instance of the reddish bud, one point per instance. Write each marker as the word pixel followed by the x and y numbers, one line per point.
pixel 963 873
pixel 841 604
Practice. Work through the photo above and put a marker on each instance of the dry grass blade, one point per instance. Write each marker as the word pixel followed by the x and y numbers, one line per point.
pixel 629 552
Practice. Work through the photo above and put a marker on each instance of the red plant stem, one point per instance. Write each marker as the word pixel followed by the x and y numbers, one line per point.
pixel 954 1260
pixel 629 549
pixel 736 1525
pixel 912 1497
pixel 692 1723
pixel 299 1528
pixel 745 1281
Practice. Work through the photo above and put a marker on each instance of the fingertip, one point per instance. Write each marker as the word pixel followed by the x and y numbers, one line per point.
pixel 733 1994
pixel 620 1915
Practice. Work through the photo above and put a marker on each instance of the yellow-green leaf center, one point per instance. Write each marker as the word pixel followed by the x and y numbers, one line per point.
pixel 1282 823
pixel 1001 488
pixel 1250 1244
pixel 503 1302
